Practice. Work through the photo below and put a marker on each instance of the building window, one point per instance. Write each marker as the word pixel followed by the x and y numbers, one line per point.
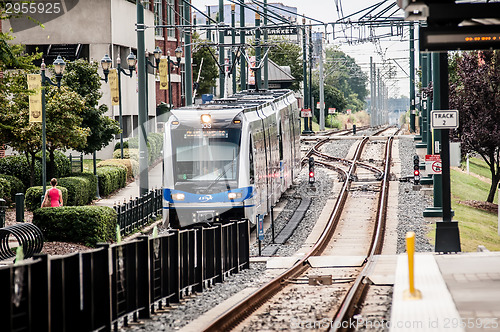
pixel 171 17
pixel 159 17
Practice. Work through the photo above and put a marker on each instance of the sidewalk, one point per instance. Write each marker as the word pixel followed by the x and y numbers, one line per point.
pixel 132 189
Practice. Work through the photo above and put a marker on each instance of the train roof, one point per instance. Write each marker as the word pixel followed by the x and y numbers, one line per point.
pixel 242 100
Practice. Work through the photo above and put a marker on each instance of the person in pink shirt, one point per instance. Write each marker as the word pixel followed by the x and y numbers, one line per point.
pixel 53 194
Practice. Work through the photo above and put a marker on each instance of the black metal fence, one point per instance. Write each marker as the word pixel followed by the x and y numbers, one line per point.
pixel 136 213
pixel 76 163
pixel 108 286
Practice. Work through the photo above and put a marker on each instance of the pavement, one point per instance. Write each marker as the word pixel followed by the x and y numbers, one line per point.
pixel 131 191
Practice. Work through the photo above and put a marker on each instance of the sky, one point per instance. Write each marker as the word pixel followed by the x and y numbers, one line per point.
pixel 394 49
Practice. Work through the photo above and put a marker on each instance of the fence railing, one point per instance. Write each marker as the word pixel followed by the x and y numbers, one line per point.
pixel 108 286
pixel 137 213
pixel 76 163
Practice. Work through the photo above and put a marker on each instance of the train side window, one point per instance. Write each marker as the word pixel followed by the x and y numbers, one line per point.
pixel 251 162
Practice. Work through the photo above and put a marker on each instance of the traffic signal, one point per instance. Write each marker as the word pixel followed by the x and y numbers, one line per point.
pixel 416 169
pixel 311 170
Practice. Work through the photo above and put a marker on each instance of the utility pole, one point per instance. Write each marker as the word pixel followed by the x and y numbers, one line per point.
pixel 143 116
pixel 221 50
pixel 304 72
pixel 321 87
pixel 233 40
pixel 243 64
pixel 372 94
pixel 187 56
pixel 311 102
pixel 423 101
pixel 412 78
pixel 257 74
pixel 266 60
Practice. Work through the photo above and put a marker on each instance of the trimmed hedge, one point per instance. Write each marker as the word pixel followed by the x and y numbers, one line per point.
pixel 154 143
pixel 4 189
pixel 79 190
pixel 16 186
pixel 80 224
pixel 132 166
pixel 110 179
pixel 132 154
pixel 92 187
pixel 34 195
pixel 18 166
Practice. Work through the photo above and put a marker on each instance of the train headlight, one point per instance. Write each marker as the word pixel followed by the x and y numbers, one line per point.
pixel 178 197
pixel 206 119
pixel 232 196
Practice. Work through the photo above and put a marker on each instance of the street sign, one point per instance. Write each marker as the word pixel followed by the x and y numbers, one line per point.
pixel 332 110
pixel 306 113
pixel 444 119
pixel 260 226
pixel 433 164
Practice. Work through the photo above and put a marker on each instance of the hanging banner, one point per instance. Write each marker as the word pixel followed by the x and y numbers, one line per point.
pixel 163 69
pixel 35 99
pixel 113 86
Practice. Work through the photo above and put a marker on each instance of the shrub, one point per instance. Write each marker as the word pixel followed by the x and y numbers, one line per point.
pixel 79 190
pixel 117 145
pixel 132 154
pixel 156 142
pixel 81 224
pixel 132 166
pixel 92 187
pixel 33 197
pixel 110 179
pixel 4 189
pixel 16 186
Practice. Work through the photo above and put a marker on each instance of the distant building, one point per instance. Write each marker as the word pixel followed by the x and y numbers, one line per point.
pixel 89 29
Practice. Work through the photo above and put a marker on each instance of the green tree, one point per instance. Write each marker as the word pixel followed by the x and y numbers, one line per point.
pixel 82 78
pixel 333 98
pixel 209 70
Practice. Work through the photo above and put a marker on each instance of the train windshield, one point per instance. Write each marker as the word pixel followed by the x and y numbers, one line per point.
pixel 207 156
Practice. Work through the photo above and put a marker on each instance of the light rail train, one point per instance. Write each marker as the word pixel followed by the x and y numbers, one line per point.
pixel 230 159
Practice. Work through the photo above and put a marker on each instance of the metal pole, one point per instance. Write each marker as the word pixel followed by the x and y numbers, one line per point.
pixel 233 40
pixel 429 106
pixel 243 64
pixel 141 64
pixel 424 102
pixel 412 78
pixel 321 88
pixel 221 50
pixel 187 56
pixel 266 60
pixel 372 94
pixel 171 104
pixel 304 68
pixel 120 119
pixel 447 232
pixel 257 74
pixel 311 102
pixel 44 133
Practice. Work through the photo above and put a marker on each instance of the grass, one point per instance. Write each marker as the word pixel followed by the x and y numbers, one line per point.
pixel 88 165
pixel 478 166
pixel 477 227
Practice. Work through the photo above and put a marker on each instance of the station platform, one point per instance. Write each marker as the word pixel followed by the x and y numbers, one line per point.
pixel 459 292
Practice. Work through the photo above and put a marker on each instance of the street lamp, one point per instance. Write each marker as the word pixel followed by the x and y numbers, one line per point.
pixel 178 55
pixel 59 66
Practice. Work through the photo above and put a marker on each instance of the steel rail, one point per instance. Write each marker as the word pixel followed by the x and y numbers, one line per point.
pixel 359 288
pixel 245 307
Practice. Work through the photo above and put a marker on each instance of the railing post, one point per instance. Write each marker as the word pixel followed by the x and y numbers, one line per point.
pixel 144 276
pixel 200 233
pixel 39 303
pixel 104 311
pixel 219 260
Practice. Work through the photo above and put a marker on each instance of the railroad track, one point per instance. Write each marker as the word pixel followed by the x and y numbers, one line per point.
pixel 344 287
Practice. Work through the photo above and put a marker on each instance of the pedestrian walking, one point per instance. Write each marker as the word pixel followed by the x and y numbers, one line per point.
pixel 53 196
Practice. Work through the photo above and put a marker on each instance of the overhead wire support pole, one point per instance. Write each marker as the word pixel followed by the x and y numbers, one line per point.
pixel 187 57
pixel 266 59
pixel 233 40
pixel 412 79
pixel 221 50
pixel 257 73
pixel 311 102
pixel 243 63
pixel 304 72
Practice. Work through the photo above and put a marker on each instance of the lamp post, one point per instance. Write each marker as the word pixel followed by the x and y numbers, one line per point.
pixel 59 66
pixel 178 55
pixel 157 55
pixel 131 61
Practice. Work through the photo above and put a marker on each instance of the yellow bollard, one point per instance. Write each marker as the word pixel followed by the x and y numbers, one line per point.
pixel 412 293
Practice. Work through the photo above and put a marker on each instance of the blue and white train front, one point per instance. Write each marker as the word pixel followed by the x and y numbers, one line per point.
pixel 204 182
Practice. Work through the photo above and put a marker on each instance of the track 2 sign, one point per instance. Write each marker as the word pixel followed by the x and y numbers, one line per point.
pixel 444 119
